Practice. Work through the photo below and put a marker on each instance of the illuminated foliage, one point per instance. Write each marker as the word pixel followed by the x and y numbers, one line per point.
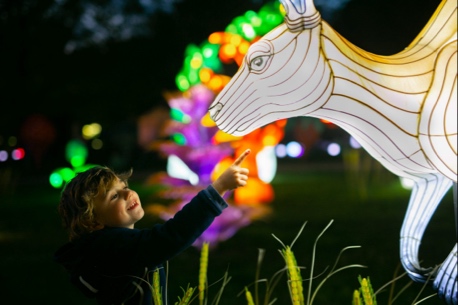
pixel 204 64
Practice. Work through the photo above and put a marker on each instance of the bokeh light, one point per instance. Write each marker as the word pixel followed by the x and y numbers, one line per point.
pixel 294 149
pixel 3 155
pixel 18 154
pixel 280 150
pixel 354 143
pixel 333 149
pixel 176 168
pixel 97 144
pixel 12 141
pixel 267 164
pixel 91 131
pixel 76 152
pixel 179 116
pixel 60 176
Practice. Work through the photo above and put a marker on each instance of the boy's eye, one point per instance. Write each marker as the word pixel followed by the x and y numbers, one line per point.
pixel 114 196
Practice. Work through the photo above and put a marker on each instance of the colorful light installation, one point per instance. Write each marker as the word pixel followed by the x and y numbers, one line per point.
pixel 204 64
pixel 201 151
pixel 192 154
pixel 198 151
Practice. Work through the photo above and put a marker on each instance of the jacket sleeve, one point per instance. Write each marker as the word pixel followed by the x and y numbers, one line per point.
pixel 164 241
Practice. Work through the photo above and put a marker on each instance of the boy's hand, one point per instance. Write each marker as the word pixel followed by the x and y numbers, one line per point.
pixel 232 177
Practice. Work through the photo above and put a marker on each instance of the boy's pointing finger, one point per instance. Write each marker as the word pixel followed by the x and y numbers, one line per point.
pixel 242 157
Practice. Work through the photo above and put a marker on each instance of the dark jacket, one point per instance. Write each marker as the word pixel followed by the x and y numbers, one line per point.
pixel 111 264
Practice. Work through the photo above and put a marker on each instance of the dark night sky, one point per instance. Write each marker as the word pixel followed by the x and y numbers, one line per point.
pixel 121 80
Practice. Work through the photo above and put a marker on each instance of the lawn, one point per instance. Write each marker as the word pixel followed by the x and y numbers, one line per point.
pixel 367 210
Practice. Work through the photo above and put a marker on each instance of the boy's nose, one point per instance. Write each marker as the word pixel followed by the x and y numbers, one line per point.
pixel 128 194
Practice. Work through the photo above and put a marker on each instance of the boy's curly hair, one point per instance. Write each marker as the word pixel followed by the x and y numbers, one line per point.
pixel 76 206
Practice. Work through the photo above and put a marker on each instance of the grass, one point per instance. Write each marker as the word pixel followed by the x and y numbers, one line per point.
pixel 369 215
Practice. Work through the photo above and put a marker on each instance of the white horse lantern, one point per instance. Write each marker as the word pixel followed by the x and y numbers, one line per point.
pixel 401 108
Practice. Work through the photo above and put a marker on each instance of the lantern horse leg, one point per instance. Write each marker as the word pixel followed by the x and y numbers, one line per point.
pixel 427 193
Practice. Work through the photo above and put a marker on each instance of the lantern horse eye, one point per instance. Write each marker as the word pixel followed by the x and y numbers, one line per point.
pixel 258 63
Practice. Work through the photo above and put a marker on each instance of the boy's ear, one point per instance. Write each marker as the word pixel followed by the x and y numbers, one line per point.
pixel 98 226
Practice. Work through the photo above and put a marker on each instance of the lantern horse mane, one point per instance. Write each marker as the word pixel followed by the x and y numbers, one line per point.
pixel 401 108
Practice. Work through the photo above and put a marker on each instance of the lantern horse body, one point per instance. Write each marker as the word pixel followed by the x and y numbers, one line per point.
pixel 401 108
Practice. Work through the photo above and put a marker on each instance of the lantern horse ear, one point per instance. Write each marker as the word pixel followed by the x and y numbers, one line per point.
pixel 300 14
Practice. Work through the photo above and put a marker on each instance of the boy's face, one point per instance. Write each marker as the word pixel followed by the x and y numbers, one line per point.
pixel 118 207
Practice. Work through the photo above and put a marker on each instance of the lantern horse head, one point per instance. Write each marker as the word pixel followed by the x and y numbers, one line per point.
pixel 401 108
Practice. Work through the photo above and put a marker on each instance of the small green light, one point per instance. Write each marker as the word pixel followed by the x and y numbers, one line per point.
pixel 182 82
pixel 193 77
pixel 76 152
pixel 56 180
pixel 66 173
pixel 179 116
pixel 231 28
pixel 191 49
pixel 61 175
pixel 179 138
pixel 77 161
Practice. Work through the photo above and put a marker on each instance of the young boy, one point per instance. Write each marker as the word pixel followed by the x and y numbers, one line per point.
pixel 111 261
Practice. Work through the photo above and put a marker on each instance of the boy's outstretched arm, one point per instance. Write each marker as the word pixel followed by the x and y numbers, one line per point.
pixel 232 177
